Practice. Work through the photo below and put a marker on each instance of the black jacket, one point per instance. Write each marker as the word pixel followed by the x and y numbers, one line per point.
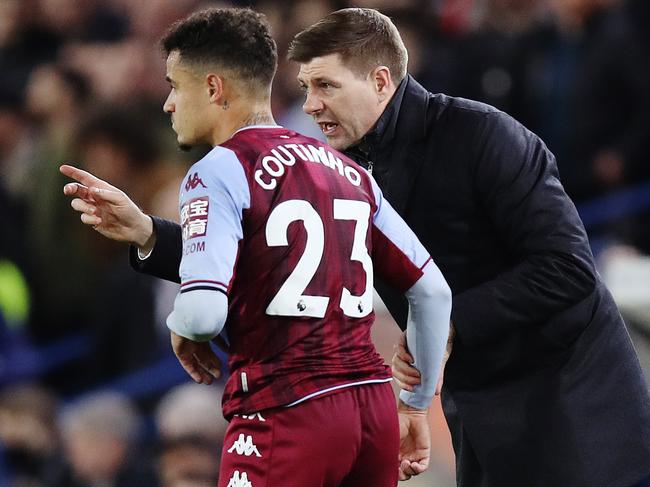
pixel 543 387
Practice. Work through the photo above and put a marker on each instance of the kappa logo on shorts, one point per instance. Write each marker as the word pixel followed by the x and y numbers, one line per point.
pixel 244 446
pixel 193 181
pixel 239 480
pixel 253 416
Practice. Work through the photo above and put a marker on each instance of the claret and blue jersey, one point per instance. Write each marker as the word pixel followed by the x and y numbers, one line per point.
pixel 289 229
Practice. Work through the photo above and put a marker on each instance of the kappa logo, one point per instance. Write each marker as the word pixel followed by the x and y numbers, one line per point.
pixel 239 480
pixel 244 446
pixel 253 416
pixel 193 181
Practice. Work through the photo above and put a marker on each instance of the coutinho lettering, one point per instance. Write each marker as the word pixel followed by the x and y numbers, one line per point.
pixel 283 156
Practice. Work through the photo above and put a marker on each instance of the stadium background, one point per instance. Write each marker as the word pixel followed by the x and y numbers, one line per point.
pixel 89 389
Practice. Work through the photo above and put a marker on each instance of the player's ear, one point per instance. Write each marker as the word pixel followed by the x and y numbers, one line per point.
pixel 215 87
pixel 382 82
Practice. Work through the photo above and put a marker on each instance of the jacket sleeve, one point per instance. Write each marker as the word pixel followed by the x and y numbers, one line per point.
pixel 165 258
pixel 516 181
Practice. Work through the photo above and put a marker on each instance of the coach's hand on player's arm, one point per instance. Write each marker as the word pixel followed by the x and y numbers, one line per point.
pixel 415 441
pixel 197 358
pixel 406 376
pixel 108 210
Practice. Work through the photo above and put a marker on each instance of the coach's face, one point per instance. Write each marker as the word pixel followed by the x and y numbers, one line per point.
pixel 188 103
pixel 345 104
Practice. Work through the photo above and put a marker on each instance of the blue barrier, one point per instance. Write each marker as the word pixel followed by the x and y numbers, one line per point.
pixel 20 360
pixel 622 203
pixel 156 378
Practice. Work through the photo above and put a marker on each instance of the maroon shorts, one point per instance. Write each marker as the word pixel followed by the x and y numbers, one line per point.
pixel 345 439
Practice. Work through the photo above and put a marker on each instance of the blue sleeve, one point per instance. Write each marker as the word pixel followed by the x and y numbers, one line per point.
pixel 407 265
pixel 212 199
pixel 427 330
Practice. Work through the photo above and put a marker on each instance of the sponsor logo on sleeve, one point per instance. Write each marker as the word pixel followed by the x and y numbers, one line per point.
pixel 194 217
pixel 194 181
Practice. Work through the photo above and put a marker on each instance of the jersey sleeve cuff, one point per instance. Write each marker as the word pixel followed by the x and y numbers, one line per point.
pixel 416 400
pixel 204 284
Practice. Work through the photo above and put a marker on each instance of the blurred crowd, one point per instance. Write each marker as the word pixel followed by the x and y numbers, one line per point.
pixel 101 440
pixel 82 82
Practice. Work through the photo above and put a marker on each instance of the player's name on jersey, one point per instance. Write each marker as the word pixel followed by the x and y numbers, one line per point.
pixel 282 157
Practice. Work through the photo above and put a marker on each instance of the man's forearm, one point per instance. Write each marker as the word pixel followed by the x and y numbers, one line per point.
pixel 526 296
pixel 145 238
pixel 164 258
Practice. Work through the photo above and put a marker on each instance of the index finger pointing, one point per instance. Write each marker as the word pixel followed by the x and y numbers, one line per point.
pixel 84 177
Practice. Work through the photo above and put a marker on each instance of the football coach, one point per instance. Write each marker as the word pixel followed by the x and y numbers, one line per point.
pixel 543 386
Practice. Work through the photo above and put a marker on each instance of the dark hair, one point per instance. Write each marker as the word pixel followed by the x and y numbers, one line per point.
pixel 364 37
pixel 236 39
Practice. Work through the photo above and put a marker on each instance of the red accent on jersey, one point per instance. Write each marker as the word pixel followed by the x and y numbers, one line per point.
pixel 391 264
pixel 193 180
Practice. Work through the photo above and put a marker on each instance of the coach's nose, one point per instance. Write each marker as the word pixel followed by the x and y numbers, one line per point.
pixel 313 104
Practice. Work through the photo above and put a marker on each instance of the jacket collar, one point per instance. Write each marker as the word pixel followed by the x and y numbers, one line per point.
pixel 394 144
pixel 384 130
pixel 382 135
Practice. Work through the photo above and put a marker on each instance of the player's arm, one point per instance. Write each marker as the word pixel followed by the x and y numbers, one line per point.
pixel 198 315
pixel 211 221
pixel 426 333
pixel 405 375
pixel 402 261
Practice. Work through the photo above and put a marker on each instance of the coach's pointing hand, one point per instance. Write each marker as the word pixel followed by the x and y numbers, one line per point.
pixel 108 210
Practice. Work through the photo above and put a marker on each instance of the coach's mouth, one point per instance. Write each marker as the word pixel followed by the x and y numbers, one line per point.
pixel 328 128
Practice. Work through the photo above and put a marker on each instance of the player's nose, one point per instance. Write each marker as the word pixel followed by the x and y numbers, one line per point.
pixel 168 106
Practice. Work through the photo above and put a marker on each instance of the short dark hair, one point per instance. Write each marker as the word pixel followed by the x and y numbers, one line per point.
pixel 364 37
pixel 237 39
